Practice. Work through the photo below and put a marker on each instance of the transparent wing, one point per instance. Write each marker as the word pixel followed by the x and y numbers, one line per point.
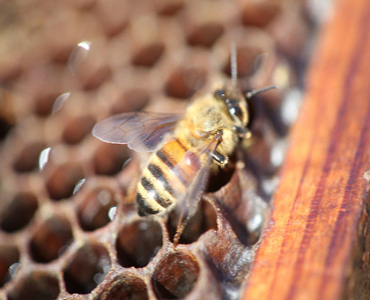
pixel 196 166
pixel 141 131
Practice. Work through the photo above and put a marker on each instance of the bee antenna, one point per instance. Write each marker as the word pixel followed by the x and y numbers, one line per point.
pixel 233 64
pixel 255 92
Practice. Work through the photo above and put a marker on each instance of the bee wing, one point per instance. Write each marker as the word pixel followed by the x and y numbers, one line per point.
pixel 141 131
pixel 199 163
pixel 195 166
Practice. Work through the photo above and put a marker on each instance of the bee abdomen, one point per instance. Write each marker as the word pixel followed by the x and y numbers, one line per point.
pixel 146 207
pixel 154 193
pixel 163 180
pixel 172 161
pixel 159 175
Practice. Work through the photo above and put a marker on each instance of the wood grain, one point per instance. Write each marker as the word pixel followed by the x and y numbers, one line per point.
pixel 307 249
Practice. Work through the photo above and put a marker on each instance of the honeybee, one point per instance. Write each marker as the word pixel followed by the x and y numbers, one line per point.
pixel 186 148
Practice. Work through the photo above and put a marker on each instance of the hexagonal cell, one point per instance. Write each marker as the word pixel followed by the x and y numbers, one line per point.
pixel 93 69
pixel 240 204
pixel 203 220
pixel 138 243
pixel 44 104
pixel 112 15
pixel 227 251
pixel 86 269
pixel 205 34
pixel 246 59
pixel 133 100
pixel 149 55
pixel 227 257
pixel 27 159
pixel 184 82
pixel 17 213
pixel 263 154
pixel 168 7
pixel 62 179
pixel 93 211
pixel 51 239
pixel 175 275
pixel 36 285
pixel 109 159
pixel 260 13
pixel 5 127
pixel 9 261
pixel 77 128
pixel 124 287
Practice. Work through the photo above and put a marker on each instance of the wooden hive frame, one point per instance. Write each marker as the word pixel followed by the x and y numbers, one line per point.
pixel 313 245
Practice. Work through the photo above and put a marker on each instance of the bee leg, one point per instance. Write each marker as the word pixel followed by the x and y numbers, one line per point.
pixel 180 228
pixel 221 159
pixel 182 222
pixel 242 132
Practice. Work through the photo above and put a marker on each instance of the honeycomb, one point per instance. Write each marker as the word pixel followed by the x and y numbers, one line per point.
pixel 69 227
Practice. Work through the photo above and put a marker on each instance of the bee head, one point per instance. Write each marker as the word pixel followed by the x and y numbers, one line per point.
pixel 235 103
pixel 235 100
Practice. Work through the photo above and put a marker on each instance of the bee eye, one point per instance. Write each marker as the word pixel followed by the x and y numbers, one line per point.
pixel 220 94
pixel 234 108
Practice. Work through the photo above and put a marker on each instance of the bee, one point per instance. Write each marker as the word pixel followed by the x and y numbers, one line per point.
pixel 185 148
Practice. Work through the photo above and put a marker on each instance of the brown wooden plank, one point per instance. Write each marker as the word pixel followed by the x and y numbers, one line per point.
pixel 307 248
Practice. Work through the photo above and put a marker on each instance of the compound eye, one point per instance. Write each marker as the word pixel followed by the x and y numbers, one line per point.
pixel 234 108
pixel 220 94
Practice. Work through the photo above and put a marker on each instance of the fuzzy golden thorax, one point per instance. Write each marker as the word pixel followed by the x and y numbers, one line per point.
pixel 205 117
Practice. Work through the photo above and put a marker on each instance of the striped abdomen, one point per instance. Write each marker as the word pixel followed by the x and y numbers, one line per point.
pixel 164 179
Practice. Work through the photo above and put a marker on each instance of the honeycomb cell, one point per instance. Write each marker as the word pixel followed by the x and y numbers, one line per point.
pixel 97 77
pixel 93 211
pixel 36 285
pixel 62 179
pixel 86 269
pixel 109 159
pixel 205 34
pixel 229 259
pixel 276 120
pixel 241 207
pixel 184 82
pixel 4 128
pixel 203 220
pixel 260 152
pixel 176 275
pixel 82 4
pixel 113 15
pixel 17 213
pixel 132 100
pixel 43 84
pixel 51 239
pixel 148 55
pixel 138 243
pixel 124 287
pixel 91 66
pixel 246 58
pixel 168 7
pixel 11 70
pixel 260 13
pixel 77 128
pixel 27 159
pixel 65 24
pixel 9 258
pixel 44 104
